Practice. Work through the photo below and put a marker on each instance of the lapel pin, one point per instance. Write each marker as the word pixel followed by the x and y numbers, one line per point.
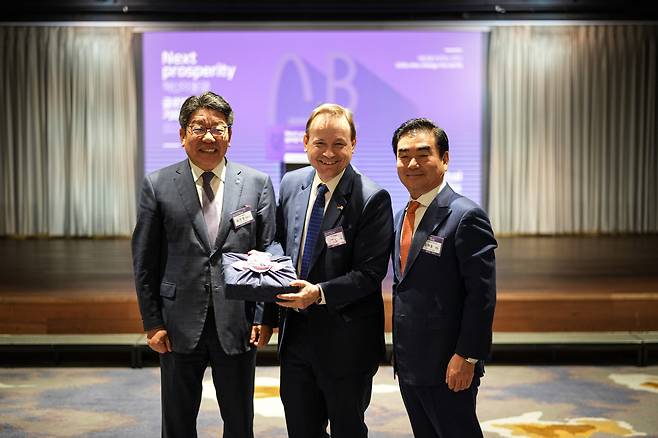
pixel 340 207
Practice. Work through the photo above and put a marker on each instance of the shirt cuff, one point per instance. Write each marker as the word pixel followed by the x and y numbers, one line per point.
pixel 321 300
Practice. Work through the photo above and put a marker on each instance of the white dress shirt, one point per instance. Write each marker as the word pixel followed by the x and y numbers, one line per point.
pixel 217 184
pixel 425 200
pixel 331 187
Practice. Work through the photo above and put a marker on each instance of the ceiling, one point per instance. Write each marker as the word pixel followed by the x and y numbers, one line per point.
pixel 326 10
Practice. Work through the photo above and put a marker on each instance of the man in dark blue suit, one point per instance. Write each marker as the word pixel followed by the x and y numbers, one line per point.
pixel 337 226
pixel 189 214
pixel 444 289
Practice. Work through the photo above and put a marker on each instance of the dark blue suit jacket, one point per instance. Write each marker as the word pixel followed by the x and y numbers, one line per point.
pixel 444 304
pixel 348 332
pixel 176 266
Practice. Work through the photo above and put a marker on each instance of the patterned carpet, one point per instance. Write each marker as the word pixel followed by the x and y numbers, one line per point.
pixel 514 401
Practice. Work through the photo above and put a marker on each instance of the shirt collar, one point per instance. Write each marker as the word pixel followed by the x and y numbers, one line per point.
pixel 426 198
pixel 219 171
pixel 331 184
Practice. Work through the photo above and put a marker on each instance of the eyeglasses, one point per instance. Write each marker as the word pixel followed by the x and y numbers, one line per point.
pixel 216 131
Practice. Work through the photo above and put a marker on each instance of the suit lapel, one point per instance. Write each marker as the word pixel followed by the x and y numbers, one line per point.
pixel 301 204
pixel 438 210
pixel 338 201
pixel 232 190
pixel 184 182
pixel 334 211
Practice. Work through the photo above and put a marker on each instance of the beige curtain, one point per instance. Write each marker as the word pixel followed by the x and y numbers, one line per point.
pixel 68 131
pixel 574 147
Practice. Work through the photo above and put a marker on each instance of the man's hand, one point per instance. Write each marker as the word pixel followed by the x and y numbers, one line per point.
pixel 158 340
pixel 308 294
pixel 459 374
pixel 260 335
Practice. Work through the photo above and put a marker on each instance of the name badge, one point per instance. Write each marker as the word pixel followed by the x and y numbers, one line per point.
pixel 433 245
pixel 242 217
pixel 334 237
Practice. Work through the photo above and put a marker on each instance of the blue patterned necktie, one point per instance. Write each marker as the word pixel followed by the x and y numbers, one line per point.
pixel 312 230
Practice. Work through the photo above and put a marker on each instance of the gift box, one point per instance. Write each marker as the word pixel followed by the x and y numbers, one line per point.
pixel 258 276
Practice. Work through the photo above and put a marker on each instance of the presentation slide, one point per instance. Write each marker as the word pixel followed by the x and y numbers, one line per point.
pixel 274 78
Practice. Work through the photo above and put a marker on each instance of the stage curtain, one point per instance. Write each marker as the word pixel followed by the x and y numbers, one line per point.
pixel 68 131
pixel 574 147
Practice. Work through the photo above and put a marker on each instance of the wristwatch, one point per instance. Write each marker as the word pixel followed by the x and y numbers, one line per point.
pixel 319 300
pixel 471 360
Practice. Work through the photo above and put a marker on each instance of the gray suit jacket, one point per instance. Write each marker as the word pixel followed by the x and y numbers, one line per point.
pixel 177 269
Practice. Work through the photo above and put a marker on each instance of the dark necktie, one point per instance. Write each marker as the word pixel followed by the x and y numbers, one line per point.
pixel 312 230
pixel 209 208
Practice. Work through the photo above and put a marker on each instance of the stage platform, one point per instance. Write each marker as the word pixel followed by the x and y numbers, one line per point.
pixel 508 347
pixel 545 284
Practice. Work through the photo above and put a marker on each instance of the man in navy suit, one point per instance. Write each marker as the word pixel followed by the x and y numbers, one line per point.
pixel 189 214
pixel 444 289
pixel 337 226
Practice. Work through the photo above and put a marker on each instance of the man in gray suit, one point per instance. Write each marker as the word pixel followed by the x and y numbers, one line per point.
pixel 189 214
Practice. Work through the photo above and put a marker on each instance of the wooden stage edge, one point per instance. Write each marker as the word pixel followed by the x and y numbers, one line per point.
pixel 545 284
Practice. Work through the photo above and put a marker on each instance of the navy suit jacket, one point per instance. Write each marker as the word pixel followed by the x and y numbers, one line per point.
pixel 347 332
pixel 176 267
pixel 444 304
